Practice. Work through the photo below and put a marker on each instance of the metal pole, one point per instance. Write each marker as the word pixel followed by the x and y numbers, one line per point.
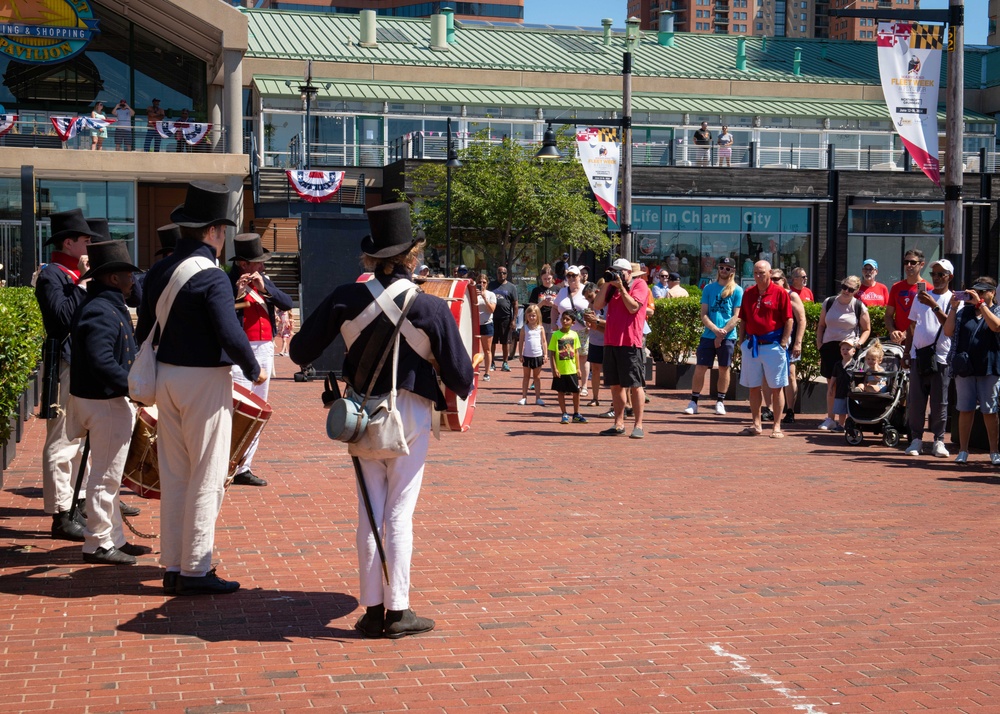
pixel 626 217
pixel 954 134
pixel 447 209
pixel 306 133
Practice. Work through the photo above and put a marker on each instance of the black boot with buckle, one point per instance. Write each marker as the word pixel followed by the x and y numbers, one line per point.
pixel 403 623
pixel 371 623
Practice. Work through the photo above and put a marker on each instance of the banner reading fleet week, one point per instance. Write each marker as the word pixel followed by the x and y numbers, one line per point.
pixel 600 155
pixel 909 62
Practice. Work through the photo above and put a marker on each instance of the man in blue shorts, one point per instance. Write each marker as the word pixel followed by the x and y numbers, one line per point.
pixel 720 312
pixel 765 331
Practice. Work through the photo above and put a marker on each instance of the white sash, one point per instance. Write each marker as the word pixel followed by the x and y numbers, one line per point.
pixel 384 302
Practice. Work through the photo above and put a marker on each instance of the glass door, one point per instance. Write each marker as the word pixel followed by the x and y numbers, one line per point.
pixel 10 255
pixel 369 141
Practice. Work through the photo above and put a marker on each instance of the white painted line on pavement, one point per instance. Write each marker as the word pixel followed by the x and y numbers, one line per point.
pixel 740 664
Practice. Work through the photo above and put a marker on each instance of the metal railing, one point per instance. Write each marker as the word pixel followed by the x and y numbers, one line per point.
pixel 323 154
pixel 115 137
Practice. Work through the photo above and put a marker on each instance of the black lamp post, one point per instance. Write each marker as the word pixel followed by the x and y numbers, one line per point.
pixel 308 91
pixel 451 163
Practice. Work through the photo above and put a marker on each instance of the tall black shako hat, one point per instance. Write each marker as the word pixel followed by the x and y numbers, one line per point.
pixel 168 235
pixel 247 246
pixel 206 204
pixel 69 224
pixel 108 257
pixel 391 231
pixel 100 227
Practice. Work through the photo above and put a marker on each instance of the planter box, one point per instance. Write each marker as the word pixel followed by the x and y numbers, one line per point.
pixel 674 376
pixel 811 398
pixel 10 448
pixel 19 418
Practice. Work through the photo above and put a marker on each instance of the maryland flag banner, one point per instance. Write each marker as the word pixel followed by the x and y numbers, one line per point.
pixel 909 61
pixel 68 127
pixel 600 154
pixel 7 122
pixel 315 186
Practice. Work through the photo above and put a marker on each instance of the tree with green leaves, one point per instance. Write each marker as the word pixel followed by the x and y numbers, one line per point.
pixel 504 200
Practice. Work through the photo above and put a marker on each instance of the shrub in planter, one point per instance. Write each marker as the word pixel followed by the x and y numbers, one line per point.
pixel 21 338
pixel 675 328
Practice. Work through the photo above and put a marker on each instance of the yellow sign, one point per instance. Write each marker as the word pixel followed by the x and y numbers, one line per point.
pixel 45 31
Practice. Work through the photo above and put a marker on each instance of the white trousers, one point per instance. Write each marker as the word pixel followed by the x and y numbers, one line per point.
pixel 264 352
pixel 110 423
pixel 393 487
pixel 194 430
pixel 61 455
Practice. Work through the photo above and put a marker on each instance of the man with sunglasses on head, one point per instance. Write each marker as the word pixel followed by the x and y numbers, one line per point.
pixel 872 292
pixel 902 295
pixel 799 280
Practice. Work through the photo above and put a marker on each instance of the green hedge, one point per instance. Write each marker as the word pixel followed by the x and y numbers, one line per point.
pixel 676 329
pixel 21 339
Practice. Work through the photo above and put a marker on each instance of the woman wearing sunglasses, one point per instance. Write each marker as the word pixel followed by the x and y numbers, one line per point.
pixel 843 317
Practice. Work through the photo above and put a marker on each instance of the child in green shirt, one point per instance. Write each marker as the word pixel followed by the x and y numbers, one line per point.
pixel 564 356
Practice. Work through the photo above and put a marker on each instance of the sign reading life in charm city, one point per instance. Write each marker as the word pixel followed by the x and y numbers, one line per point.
pixel 600 155
pixel 909 62
pixel 45 31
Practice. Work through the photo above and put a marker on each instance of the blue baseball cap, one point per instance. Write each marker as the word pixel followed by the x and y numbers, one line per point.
pixel 872 262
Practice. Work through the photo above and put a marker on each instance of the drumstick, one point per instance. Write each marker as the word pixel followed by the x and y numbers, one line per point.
pixel 242 305
pixel 477 359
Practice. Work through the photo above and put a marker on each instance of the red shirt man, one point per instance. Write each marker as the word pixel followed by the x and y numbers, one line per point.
pixel 902 295
pixel 798 285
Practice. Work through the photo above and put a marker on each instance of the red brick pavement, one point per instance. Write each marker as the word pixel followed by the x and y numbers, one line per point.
pixel 693 571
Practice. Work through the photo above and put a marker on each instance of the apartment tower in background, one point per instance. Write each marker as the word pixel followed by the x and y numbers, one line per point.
pixel 770 18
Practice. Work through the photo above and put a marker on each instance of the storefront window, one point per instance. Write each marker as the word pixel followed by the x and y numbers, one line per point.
pixel 114 200
pixel 885 235
pixel 690 240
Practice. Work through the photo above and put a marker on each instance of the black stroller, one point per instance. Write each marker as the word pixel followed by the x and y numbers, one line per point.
pixel 877 412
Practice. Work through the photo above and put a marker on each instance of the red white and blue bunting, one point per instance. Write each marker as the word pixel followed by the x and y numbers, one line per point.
pixel 68 127
pixel 316 186
pixel 7 122
pixel 191 132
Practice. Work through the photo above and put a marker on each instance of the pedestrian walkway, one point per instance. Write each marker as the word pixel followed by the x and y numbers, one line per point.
pixel 692 571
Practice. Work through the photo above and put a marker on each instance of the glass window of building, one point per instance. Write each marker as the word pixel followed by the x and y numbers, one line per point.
pixel 886 234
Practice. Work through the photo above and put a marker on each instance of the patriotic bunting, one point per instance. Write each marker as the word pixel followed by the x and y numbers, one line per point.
pixel 68 127
pixel 7 122
pixel 315 186
pixel 191 132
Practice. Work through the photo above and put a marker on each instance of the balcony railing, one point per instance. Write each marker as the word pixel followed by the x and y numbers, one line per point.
pixel 115 137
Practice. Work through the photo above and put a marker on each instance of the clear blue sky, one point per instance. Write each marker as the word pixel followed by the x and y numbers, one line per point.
pixel 588 13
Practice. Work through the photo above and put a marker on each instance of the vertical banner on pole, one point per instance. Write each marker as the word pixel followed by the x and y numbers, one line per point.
pixel 909 61
pixel 600 155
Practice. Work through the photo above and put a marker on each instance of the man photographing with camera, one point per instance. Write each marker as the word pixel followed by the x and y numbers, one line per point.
pixel 624 356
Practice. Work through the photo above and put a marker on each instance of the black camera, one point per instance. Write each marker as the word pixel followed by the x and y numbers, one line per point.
pixel 615 274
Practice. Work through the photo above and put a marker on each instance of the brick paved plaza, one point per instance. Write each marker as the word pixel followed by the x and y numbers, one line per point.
pixel 693 571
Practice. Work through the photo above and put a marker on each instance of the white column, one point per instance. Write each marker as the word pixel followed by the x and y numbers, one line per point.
pixel 233 60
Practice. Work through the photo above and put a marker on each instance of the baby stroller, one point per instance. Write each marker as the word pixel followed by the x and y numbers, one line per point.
pixel 877 412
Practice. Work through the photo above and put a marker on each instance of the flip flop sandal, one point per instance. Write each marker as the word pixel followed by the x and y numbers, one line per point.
pixel 750 431
pixel 777 435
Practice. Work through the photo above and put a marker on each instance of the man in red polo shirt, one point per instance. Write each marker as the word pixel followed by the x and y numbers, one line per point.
pixel 256 300
pixel 765 331
pixel 902 295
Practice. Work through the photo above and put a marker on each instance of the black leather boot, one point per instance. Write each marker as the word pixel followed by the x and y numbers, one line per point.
pixel 403 623
pixel 65 527
pixel 371 623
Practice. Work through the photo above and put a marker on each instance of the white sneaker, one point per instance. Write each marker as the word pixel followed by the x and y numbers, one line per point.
pixel 692 408
pixel 522 402
pixel 915 447
pixel 963 457
pixel 539 402
pixel 995 458
pixel 827 424
pixel 720 408
pixel 939 450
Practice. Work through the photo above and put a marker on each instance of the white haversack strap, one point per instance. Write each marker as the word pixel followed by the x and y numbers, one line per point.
pixel 351 329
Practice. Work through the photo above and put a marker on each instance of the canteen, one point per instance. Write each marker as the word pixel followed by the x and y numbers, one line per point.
pixel 346 421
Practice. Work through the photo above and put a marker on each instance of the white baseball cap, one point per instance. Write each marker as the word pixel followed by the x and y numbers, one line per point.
pixel 946 264
pixel 622 264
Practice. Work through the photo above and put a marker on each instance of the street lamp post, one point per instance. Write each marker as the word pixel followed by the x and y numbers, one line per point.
pixel 451 163
pixel 308 91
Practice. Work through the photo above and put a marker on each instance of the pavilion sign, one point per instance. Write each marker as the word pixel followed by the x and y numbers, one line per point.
pixel 46 31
